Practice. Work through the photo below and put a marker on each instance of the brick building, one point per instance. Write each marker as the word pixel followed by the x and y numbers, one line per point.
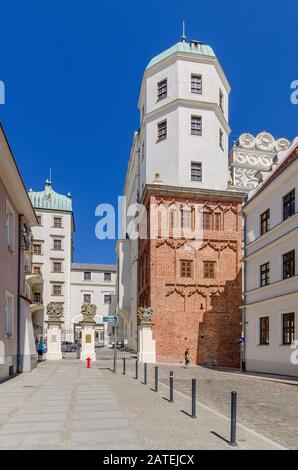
pixel 179 170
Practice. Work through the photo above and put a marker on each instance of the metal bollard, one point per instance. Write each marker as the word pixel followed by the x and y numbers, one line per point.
pixel 171 386
pixel 193 398
pixel 233 441
pixel 137 370
pixel 124 368
pixel 145 373
pixel 156 379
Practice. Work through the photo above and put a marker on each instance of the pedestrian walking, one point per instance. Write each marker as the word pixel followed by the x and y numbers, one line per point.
pixel 40 349
pixel 186 358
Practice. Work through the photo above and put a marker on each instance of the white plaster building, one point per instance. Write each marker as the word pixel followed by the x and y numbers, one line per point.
pixel 52 252
pixel 270 269
pixel 182 142
pixel 95 284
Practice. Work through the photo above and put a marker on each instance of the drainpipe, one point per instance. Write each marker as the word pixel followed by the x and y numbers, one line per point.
pixel 242 365
pixel 19 293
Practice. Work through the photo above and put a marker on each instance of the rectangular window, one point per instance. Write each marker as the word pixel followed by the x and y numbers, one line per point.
pixel 162 89
pixel 87 298
pixel 289 264
pixel 209 269
pixel 288 328
pixel 36 248
pixel 57 266
pixel 207 221
pixel 107 298
pixel 87 276
pixel 217 221
pixel 265 222
pixel 264 274
pixel 196 171
pixel 57 244
pixel 38 218
pixel 221 97
pixel 221 139
pixel 196 84
pixel 186 268
pixel 9 314
pixel 57 289
pixel 10 227
pixel 37 298
pixel 108 277
pixel 57 222
pixel 264 330
pixel 196 125
pixel 162 130
pixel 289 205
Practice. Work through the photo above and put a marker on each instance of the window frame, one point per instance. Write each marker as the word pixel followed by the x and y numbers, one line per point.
pixel 110 276
pixel 193 177
pixel 196 88
pixel 10 227
pixel 264 330
pixel 162 132
pixel 207 273
pixel 54 285
pixel 186 269
pixel 221 135
pixel 264 273
pixel 162 89
pixel 89 294
pixel 60 242
pixel 196 125
pixel 9 323
pixel 288 330
pixel 288 265
pixel 54 223
pixel 265 222
pixel 289 206
pixel 105 295
pixel 86 278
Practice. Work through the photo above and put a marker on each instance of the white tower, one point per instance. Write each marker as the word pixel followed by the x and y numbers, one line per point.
pixel 184 119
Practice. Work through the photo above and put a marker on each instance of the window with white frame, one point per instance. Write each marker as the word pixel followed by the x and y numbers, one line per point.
pixel 162 130
pixel 86 298
pixel 9 314
pixel 196 125
pixel 196 171
pixel 87 275
pixel 107 298
pixel 10 227
pixel 108 277
pixel 196 83
pixel 162 89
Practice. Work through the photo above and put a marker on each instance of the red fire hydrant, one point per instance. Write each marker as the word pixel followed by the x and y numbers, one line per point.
pixel 88 362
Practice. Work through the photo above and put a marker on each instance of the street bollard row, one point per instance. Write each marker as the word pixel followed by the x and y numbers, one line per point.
pixel 233 430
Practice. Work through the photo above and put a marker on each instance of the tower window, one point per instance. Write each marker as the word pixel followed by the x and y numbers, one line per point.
pixel 221 98
pixel 162 89
pixel 196 84
pixel 186 268
pixel 162 130
pixel 196 171
pixel 196 125
pixel 221 139
pixel 209 269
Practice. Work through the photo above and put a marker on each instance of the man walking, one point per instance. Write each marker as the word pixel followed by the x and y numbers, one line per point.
pixel 186 358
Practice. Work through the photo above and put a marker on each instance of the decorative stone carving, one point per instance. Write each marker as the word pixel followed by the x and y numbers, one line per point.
pixel 145 315
pixel 54 311
pixel 251 155
pixel 88 311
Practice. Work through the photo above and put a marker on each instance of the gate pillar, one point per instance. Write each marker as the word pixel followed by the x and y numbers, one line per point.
pixel 88 333
pixel 146 343
pixel 54 323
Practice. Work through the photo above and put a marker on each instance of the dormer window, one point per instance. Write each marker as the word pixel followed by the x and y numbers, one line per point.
pixel 162 89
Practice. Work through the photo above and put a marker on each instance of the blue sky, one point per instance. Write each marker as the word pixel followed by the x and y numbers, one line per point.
pixel 73 68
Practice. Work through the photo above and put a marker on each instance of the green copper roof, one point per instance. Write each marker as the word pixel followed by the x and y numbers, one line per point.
pixel 49 199
pixel 190 48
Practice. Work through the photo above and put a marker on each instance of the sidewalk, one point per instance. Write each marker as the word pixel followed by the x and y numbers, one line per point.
pixel 63 405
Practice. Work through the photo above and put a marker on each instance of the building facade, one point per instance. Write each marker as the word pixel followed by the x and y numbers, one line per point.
pixel 17 346
pixel 52 252
pixel 94 284
pixel 270 267
pixel 179 162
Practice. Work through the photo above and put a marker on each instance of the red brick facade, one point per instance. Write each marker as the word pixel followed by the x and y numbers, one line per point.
pixel 196 312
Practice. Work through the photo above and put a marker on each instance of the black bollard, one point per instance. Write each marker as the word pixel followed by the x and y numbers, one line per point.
pixel 156 379
pixel 137 370
pixel 193 398
pixel 171 386
pixel 145 373
pixel 124 368
pixel 233 441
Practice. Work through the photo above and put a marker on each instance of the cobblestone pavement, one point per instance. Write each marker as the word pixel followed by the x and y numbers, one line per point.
pixel 268 407
pixel 64 405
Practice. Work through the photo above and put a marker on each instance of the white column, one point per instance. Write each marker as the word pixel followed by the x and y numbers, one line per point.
pixel 88 341
pixel 54 341
pixel 146 344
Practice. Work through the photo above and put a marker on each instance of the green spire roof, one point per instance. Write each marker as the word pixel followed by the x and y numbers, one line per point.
pixel 49 199
pixel 194 47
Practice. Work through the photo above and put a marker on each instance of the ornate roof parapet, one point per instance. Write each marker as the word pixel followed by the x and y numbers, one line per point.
pixel 253 157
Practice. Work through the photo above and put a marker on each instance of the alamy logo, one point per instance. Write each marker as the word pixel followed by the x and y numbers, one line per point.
pixel 2 92
pixel 294 95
